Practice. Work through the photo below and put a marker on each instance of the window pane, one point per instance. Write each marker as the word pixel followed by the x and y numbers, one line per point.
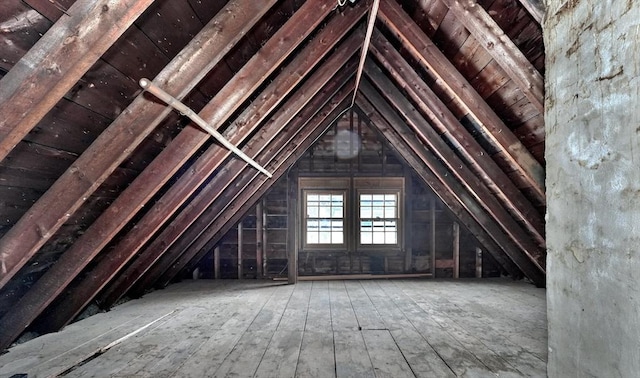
pixel 336 212
pixel 312 197
pixel 378 238
pixel 325 224
pixel 389 212
pixel 366 226
pixel 378 212
pixel 312 225
pixel 312 212
pixel 325 212
pixel 390 225
pixel 325 197
pixel 365 197
pixel 336 225
pixel 390 238
pixel 366 238
pixel 365 212
pixel 325 237
pixel 312 237
pixel 337 238
pixel 378 197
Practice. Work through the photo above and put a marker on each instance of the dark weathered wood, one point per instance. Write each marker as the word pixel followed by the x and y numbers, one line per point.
pixel 260 247
pixel 428 54
pixel 57 61
pixel 447 124
pixel 216 262
pixel 535 9
pixel 101 159
pixel 83 293
pixel 442 190
pixel 456 166
pixel 432 234
pixel 239 256
pixel 129 129
pixel 258 188
pixel 292 228
pixel 214 191
pixel 246 123
pixel 456 250
pixel 502 49
pixel 528 266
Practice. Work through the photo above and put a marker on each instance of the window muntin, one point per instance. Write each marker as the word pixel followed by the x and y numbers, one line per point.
pixel 378 218
pixel 325 218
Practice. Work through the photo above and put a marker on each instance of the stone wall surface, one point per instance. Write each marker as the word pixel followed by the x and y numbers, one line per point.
pixel 592 120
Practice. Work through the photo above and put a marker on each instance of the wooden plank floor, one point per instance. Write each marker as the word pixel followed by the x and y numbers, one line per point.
pixel 382 328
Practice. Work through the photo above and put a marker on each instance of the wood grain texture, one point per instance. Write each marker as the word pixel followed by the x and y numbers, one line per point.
pixel 428 328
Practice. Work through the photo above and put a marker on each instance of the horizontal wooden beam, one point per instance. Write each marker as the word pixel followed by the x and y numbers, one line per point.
pixel 57 61
pixel 528 266
pixel 443 192
pixel 427 53
pixel 457 135
pixel 489 34
pixel 113 146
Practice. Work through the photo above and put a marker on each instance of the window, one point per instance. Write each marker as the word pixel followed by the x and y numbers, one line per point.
pixel 378 218
pixel 350 214
pixel 324 217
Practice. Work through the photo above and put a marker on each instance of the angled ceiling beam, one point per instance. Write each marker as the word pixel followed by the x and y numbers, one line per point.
pixel 57 61
pixel 169 161
pixel 427 53
pixel 147 258
pixel 231 214
pixel 486 31
pixel 528 266
pixel 61 313
pixel 80 295
pixel 455 166
pixel 535 8
pixel 451 129
pixel 113 146
pixel 439 188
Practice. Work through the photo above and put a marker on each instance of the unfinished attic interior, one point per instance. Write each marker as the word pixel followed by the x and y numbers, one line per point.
pixel 320 187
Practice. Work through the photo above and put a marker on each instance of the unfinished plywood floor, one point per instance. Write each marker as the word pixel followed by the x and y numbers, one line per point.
pixel 395 328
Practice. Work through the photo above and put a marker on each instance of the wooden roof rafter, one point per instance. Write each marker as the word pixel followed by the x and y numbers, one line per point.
pixel 427 53
pixel 81 294
pixel 326 75
pixel 450 128
pixel 454 203
pixel 112 147
pixel 503 50
pixel 528 266
pixel 318 125
pixel 182 147
pixel 59 59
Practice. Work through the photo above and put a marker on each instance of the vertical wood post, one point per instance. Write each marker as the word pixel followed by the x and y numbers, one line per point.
pixel 216 262
pixel 406 220
pixel 432 234
pixel 265 257
pixel 478 262
pixel 240 250
pixel 292 228
pixel 259 245
pixel 456 250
